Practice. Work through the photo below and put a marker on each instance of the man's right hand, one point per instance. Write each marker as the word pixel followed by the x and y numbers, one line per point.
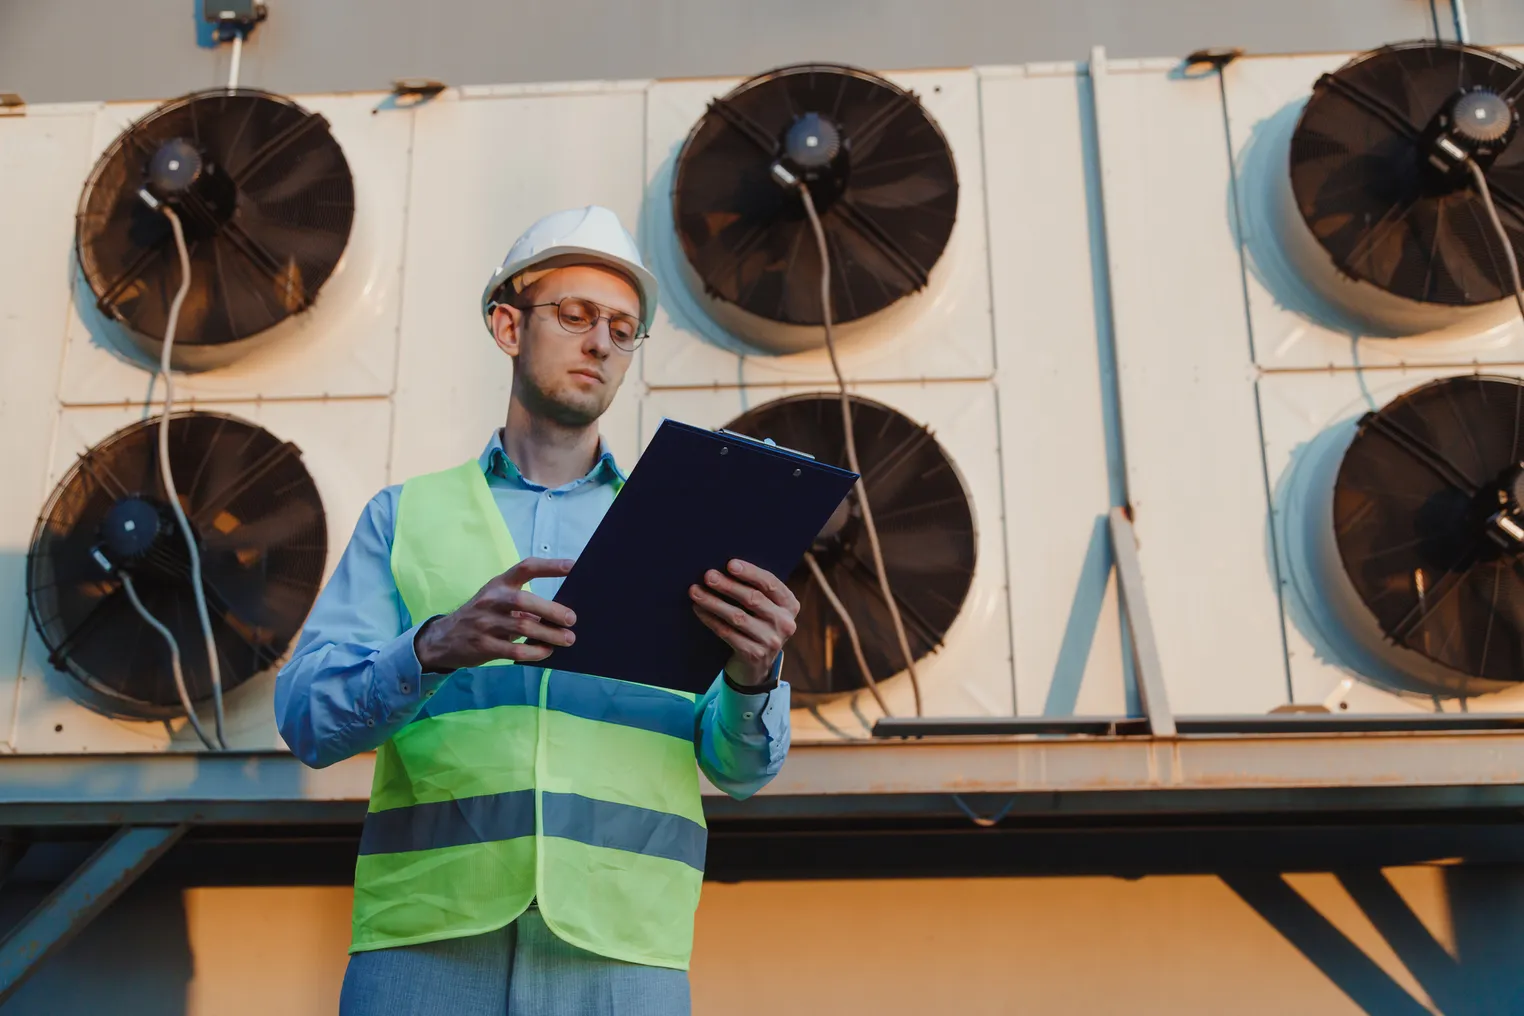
pixel 488 626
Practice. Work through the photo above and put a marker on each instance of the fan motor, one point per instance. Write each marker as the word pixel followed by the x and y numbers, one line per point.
pixel 879 171
pixel 1428 522
pixel 1380 185
pixel 267 203
pixel 258 522
pixel 926 527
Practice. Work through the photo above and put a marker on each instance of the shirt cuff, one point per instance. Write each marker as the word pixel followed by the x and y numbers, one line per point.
pixel 759 715
pixel 398 683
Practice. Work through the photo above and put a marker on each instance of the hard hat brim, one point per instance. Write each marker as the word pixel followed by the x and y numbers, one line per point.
pixel 565 256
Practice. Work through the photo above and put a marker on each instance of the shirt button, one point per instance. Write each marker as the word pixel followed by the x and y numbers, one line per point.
pixel 370 721
pixel 747 715
pixel 406 688
pixel 544 546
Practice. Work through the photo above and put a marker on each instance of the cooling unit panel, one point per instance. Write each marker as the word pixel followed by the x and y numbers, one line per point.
pixel 1364 242
pixel 1395 525
pixel 879 172
pixel 266 547
pixel 896 163
pixel 266 201
pixel 257 519
pixel 925 524
pixel 295 210
pixel 949 575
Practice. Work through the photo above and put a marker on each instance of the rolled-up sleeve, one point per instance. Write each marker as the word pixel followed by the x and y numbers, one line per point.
pixel 742 739
pixel 354 678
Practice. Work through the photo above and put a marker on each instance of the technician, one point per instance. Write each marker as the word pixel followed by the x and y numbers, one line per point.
pixel 535 839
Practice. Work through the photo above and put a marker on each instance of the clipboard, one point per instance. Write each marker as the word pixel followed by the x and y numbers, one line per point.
pixel 695 500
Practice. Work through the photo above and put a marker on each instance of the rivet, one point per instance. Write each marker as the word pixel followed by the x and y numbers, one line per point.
pixel 798 472
pixel 724 450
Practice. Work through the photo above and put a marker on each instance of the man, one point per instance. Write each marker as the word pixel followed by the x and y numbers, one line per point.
pixel 535 840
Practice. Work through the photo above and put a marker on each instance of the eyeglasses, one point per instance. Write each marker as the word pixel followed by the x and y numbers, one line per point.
pixel 580 316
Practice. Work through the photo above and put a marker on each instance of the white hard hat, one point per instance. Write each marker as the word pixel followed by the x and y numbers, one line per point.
pixel 577 236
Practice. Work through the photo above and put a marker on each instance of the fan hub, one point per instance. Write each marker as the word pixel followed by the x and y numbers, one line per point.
pixel 815 150
pixel 1474 126
pixel 182 176
pixel 140 534
pixel 130 529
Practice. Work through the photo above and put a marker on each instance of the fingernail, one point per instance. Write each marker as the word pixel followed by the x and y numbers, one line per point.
pixel 570 638
pixel 712 576
pixel 735 566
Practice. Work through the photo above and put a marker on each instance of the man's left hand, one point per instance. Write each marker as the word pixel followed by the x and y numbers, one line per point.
pixel 753 611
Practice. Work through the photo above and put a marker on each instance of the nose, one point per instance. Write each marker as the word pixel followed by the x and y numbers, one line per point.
pixel 598 341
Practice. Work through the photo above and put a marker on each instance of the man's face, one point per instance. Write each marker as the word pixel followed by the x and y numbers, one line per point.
pixel 563 376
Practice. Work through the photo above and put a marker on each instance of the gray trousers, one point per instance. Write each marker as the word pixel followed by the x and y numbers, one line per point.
pixel 520 970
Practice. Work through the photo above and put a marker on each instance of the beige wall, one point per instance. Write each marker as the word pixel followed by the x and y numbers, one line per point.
pixel 1404 941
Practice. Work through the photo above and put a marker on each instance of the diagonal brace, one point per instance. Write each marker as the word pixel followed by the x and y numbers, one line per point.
pixel 80 899
pixel 1145 651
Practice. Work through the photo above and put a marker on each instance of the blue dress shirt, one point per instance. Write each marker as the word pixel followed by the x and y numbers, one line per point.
pixel 354 678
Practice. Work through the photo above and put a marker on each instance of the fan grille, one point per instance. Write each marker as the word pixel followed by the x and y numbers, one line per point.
pixel 1410 506
pixel 252 266
pixel 888 205
pixel 926 526
pixel 263 538
pixel 1363 184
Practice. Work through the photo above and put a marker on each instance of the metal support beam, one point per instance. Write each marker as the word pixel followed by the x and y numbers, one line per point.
pixel 1145 651
pixel 81 897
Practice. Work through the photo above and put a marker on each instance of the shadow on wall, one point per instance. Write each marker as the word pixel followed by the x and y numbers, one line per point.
pixel 1480 975
pixel 135 959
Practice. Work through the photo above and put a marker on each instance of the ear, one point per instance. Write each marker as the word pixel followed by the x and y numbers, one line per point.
pixel 508 328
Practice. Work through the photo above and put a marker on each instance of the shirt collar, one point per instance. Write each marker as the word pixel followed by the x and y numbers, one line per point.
pixel 494 461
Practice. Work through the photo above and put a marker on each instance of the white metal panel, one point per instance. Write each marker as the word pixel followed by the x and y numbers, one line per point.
pixel 1055 397
pixel 342 447
pixel 1308 420
pixel 345 345
pixel 484 169
pixel 40 154
pixel 971 674
pixel 1293 327
pixel 1190 426
pixel 943 332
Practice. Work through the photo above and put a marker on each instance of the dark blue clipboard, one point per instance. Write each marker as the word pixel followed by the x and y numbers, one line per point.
pixel 695 500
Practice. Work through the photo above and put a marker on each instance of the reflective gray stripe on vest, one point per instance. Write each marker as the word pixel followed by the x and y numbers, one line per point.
pixel 624 827
pixel 629 705
pixel 591 698
pixel 483 819
pixel 493 817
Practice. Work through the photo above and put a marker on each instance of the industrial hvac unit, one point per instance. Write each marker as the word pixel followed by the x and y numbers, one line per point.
pixel 932 472
pixel 1365 240
pixel 326 177
pixel 895 166
pixel 1345 446
pixel 293 224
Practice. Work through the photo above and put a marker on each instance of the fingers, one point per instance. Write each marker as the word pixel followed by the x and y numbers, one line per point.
pixel 774 588
pixel 523 601
pixel 519 652
pixel 537 568
pixel 769 630
pixel 741 642
pixel 531 628
pixel 755 601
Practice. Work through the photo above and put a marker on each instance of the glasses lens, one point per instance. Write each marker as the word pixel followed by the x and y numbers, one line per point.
pixel 576 315
pixel 624 329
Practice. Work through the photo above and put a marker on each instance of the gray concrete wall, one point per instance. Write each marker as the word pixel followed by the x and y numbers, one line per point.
pixel 62 50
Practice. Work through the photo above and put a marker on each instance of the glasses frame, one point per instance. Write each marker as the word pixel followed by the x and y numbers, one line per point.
pixel 640 335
